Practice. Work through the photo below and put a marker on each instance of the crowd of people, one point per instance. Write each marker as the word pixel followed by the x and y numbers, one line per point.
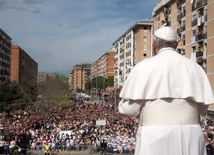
pixel 34 128
pixel 75 129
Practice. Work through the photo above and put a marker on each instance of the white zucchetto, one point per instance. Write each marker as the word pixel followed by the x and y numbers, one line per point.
pixel 166 33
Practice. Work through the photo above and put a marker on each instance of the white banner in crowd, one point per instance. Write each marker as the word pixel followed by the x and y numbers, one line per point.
pixel 100 122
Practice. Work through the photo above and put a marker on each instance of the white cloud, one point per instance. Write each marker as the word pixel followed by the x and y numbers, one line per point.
pixel 59 34
pixel 27 5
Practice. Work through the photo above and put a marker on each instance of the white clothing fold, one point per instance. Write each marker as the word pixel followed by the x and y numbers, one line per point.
pixel 156 136
pixel 168 75
pixel 170 140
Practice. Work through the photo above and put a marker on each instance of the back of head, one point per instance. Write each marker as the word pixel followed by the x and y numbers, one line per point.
pixel 165 37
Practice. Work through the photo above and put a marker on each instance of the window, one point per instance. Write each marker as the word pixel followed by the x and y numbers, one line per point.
pixel 184 23
pixel 193 32
pixel 193 17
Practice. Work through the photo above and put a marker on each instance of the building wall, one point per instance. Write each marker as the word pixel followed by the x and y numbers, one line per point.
pixel 5 52
pixel 80 74
pixel 110 64
pixel 142 43
pixel 103 66
pixel 210 41
pixel 44 77
pixel 23 68
pixel 130 48
pixel 15 65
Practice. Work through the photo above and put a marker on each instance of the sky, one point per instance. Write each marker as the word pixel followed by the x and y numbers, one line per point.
pixel 59 34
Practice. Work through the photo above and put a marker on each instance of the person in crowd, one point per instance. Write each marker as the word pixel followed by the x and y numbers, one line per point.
pixel 22 144
pixel 47 148
pixel 167 93
pixel 103 147
pixel 12 145
pixel 209 147
pixel 6 146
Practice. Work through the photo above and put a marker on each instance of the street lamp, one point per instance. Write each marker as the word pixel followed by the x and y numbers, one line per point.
pixel 116 72
pixel 103 86
pixel 96 83
pixel 115 93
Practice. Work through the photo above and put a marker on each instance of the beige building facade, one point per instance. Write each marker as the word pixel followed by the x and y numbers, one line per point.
pixel 44 77
pixel 130 48
pixel 103 66
pixel 79 76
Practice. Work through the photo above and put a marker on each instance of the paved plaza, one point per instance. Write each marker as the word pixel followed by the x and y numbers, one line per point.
pixel 86 152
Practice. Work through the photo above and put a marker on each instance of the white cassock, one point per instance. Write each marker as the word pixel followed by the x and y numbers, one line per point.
pixel 167 93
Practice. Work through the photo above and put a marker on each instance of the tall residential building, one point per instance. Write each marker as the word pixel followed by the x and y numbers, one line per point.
pixel 24 69
pixel 43 77
pixel 104 66
pixel 79 76
pixel 193 21
pixel 130 48
pixel 5 52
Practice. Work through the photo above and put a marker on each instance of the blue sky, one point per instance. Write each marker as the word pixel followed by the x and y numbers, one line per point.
pixel 59 34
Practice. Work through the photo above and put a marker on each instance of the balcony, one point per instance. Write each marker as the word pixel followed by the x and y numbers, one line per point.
pixel 199 61
pixel 181 15
pixel 201 4
pixel 181 29
pixel 205 35
pixel 206 17
pixel 194 7
pixel 180 2
pixel 201 20
pixel 193 39
pixel 200 37
pixel 194 22
pixel 199 54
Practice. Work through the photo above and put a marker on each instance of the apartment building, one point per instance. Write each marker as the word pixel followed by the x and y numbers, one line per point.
pixel 43 77
pixel 24 69
pixel 131 47
pixel 5 52
pixel 103 66
pixel 193 21
pixel 79 76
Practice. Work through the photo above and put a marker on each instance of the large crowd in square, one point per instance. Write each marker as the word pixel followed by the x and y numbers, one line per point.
pixel 76 129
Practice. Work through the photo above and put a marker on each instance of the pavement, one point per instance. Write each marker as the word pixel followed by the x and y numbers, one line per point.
pixel 86 152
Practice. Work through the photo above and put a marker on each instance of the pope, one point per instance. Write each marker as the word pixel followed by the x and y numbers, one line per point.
pixel 167 93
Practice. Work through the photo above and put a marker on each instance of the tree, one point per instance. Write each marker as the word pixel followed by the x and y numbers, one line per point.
pixel 110 81
pixel 99 83
pixel 52 92
pixel 14 95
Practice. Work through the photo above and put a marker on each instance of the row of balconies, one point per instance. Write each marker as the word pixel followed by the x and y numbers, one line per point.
pixel 121 56
pixel 4 61
pixel 199 37
pixel 180 29
pixel 181 15
pixel 180 2
pixel 4 77
pixel 201 20
pixel 5 46
pixel 121 50
pixel 199 5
